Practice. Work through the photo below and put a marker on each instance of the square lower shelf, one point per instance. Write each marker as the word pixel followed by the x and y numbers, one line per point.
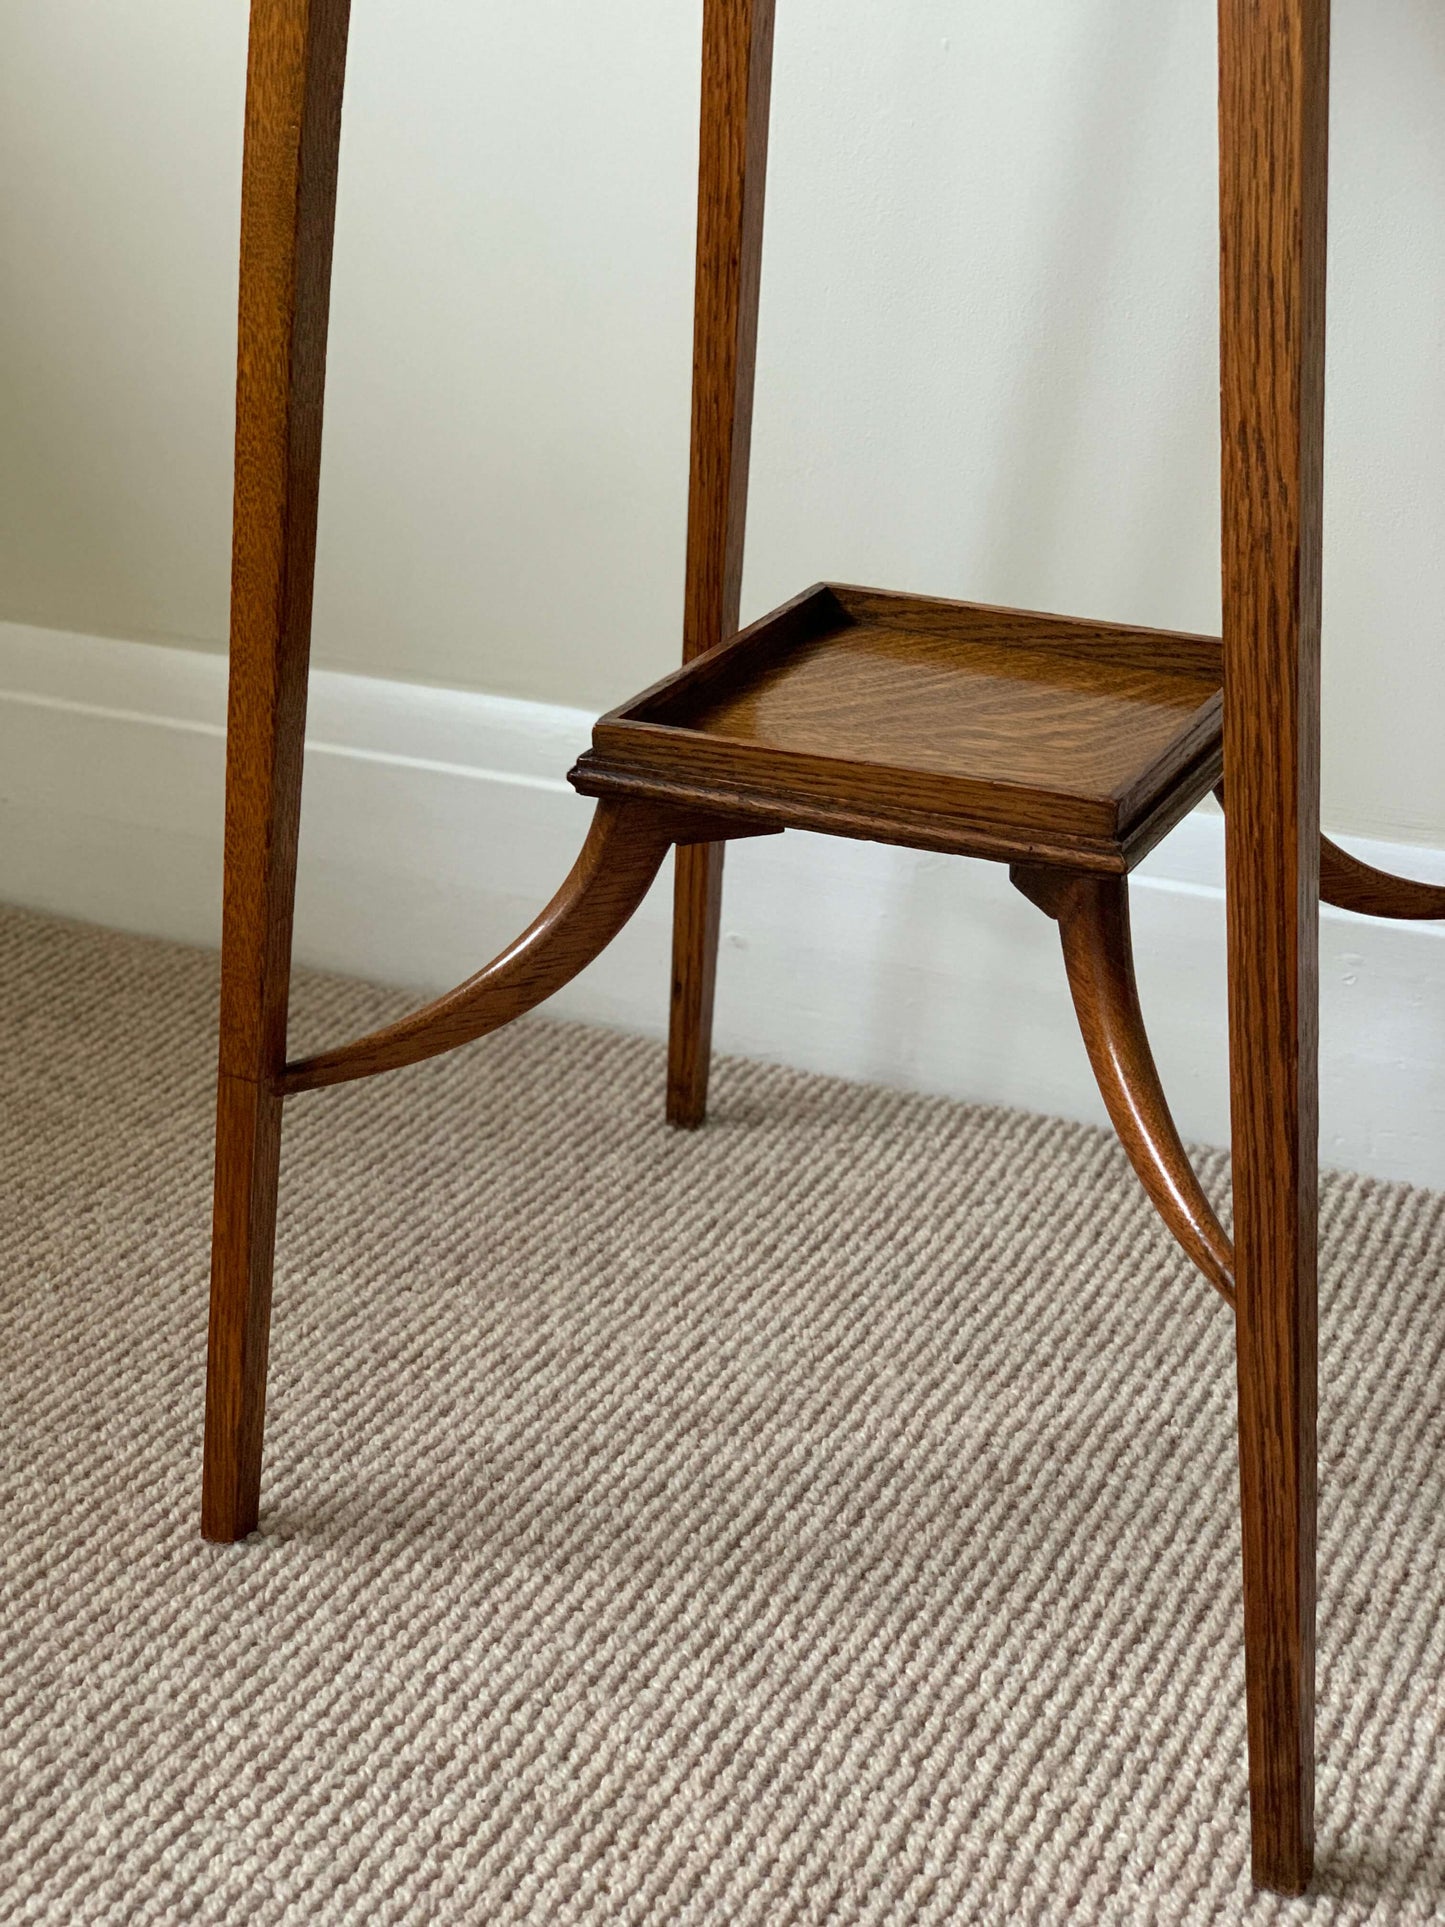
pixel 945 725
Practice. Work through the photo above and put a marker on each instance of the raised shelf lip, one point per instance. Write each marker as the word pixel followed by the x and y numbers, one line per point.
pixel 824 604
pixel 640 745
pixel 595 774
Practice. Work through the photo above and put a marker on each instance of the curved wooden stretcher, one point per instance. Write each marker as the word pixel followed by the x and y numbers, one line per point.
pixel 1349 884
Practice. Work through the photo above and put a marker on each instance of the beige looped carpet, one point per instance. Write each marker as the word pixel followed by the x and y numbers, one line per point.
pixel 829 1517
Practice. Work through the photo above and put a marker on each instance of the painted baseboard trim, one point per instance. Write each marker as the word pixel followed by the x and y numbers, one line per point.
pixel 436 822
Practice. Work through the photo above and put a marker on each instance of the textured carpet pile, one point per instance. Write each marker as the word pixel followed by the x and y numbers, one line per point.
pixel 829 1517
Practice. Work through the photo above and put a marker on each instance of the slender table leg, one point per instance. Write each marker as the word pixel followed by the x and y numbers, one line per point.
pixel 1274 148
pixel 696 922
pixel 293 124
pixel 737 62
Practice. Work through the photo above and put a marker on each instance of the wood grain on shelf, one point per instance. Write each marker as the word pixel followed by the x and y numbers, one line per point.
pixel 994 721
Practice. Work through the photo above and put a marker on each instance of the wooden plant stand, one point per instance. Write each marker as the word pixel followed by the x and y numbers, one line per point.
pixel 1063 748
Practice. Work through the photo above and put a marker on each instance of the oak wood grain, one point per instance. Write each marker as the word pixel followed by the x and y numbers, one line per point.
pixel 1030 731
pixel 1175 651
pixel 949 834
pixel 1025 718
pixel 1350 884
pixel 737 65
pixel 288 198
pixel 1274 113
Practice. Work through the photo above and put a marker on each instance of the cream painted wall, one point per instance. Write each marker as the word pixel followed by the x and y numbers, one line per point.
pixel 987 358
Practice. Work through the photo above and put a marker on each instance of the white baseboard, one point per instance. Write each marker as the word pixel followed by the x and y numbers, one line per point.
pixel 436 822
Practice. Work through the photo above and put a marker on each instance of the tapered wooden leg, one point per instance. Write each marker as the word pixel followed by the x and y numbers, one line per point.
pixel 696 919
pixel 248 1154
pixel 1274 120
pixel 1276 1369
pixel 293 120
pixel 737 68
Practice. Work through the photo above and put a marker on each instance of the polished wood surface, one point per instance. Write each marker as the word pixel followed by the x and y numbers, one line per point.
pixel 1274 116
pixel 696 930
pixel 1029 717
pixel 621 856
pixel 1047 735
pixel 1349 884
pixel 1092 913
pixel 737 65
pixel 288 199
